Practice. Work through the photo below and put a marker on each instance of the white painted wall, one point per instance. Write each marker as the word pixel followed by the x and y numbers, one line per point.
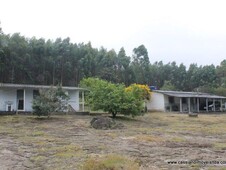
pixel 156 102
pixel 28 100
pixel 166 100
pixel 74 99
pixel 8 95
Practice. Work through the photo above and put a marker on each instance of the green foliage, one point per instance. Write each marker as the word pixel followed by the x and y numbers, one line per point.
pixel 220 91
pixel 51 62
pixel 140 65
pixel 48 101
pixel 131 104
pixel 168 86
pixel 112 98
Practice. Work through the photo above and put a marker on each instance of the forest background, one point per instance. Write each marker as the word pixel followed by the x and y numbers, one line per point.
pixel 52 62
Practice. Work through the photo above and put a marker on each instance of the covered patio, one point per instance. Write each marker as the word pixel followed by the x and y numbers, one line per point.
pixel 193 102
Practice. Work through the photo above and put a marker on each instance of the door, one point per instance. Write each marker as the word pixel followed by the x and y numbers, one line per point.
pixel 20 100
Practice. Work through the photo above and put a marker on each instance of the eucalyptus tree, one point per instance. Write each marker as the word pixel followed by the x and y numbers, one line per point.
pixel 181 74
pixel 158 74
pixel 87 61
pixel 208 76
pixel 221 74
pixel 123 66
pixel 140 64
pixel 108 70
pixel 37 65
pixel 19 52
pixel 177 75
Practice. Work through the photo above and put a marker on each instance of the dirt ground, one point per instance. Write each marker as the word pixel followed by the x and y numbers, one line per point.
pixel 153 141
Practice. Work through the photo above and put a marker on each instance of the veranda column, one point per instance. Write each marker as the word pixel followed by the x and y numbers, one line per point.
pixel 207 104
pixel 197 104
pixel 214 108
pixel 221 109
pixel 83 101
pixel 24 100
pixel 189 105
pixel 181 107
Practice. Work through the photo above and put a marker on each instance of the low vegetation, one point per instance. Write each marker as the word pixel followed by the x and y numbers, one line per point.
pixel 110 162
pixel 147 142
pixel 49 101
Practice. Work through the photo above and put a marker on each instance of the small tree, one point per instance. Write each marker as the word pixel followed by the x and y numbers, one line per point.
pixel 114 98
pixel 51 100
pixel 142 93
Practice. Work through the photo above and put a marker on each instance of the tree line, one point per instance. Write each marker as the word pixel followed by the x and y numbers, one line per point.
pixel 52 62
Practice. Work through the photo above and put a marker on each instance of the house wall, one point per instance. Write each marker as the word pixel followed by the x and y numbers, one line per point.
pixel 28 100
pixel 74 99
pixel 156 102
pixel 7 96
pixel 160 102
pixel 166 100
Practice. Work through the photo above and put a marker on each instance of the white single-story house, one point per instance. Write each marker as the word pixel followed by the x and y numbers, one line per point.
pixel 179 101
pixel 19 97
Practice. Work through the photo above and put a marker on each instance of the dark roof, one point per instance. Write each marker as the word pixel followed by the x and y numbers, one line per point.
pixel 8 85
pixel 189 94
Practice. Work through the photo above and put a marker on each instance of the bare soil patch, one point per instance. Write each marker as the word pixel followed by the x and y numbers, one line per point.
pixel 152 142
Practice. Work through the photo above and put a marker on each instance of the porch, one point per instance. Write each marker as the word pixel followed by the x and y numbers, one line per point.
pixel 195 104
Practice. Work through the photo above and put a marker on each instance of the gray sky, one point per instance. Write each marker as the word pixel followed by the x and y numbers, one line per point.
pixel 185 31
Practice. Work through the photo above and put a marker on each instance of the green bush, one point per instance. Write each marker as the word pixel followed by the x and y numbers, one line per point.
pixel 48 101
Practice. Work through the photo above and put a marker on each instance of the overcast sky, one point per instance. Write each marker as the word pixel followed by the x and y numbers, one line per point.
pixel 185 31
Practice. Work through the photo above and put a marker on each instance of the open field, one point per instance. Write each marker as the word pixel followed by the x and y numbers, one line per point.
pixel 148 142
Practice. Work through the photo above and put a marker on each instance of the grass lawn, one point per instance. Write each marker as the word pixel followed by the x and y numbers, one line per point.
pixel 153 141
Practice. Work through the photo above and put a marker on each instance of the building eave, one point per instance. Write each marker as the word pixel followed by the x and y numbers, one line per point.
pixel 9 85
pixel 181 94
